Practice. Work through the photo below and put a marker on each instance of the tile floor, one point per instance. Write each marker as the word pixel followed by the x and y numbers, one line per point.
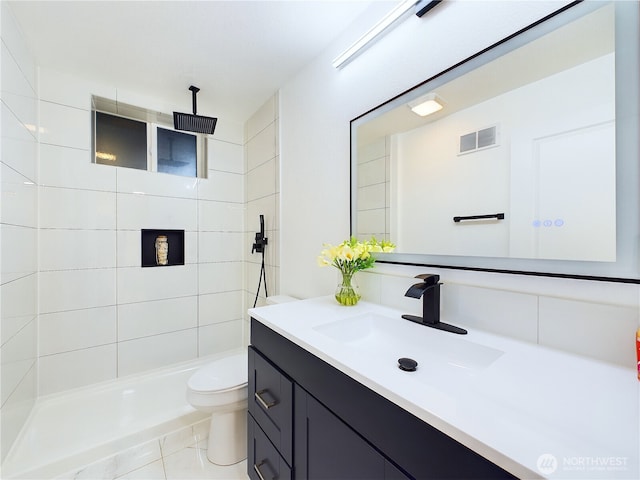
pixel 179 455
pixel 190 462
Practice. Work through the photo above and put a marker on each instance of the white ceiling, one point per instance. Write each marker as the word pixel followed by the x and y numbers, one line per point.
pixel 238 52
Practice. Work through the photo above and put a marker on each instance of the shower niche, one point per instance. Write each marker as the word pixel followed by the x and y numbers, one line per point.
pixel 162 248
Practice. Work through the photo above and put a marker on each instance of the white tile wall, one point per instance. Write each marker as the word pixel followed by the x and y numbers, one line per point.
pixel 372 172
pixel 18 231
pixel 373 191
pixel 215 338
pixel 19 198
pixel 14 239
pixel 219 277
pixel 262 118
pixel 16 410
pixel 64 290
pixel 72 168
pixel 77 329
pixel 62 249
pixel 225 157
pixel 220 307
pixel 136 211
pixel 220 216
pixel 19 147
pixel 262 196
pixel 266 206
pixel 371 196
pixel 137 284
pixel 372 223
pixel 76 368
pixel 131 180
pixel 19 304
pixel 76 209
pixel 157 350
pixel 64 125
pixel 261 147
pixel 142 319
pixel 223 186
pixel 98 306
pixel 221 246
pixel 261 181
pixel 18 357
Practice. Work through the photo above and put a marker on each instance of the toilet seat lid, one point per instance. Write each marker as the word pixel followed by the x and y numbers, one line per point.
pixel 223 374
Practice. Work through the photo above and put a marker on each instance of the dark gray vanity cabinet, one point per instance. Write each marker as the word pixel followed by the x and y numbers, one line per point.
pixel 333 450
pixel 308 420
pixel 269 421
pixel 326 447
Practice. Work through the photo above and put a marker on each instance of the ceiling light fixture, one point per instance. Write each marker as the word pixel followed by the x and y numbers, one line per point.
pixel 427 104
pixel 376 30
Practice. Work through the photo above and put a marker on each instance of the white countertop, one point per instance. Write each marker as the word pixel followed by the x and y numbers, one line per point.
pixel 524 409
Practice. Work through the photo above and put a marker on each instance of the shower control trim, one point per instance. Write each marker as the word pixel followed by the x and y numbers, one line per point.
pixel 260 241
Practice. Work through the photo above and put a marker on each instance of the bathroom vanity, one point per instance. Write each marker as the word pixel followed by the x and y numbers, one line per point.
pixel 327 400
pixel 307 417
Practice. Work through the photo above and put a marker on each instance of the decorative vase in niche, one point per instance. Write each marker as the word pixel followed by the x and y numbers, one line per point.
pixel 348 292
pixel 162 250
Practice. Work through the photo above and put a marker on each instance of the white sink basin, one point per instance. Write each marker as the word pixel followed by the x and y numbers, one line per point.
pixel 387 336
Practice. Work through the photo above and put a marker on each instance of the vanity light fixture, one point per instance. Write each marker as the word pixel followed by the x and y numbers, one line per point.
pixel 376 30
pixel 427 104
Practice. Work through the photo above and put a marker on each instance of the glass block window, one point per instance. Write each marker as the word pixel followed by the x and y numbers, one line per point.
pixel 120 141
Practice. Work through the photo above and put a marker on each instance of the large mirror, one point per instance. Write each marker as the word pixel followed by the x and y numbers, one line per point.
pixel 523 158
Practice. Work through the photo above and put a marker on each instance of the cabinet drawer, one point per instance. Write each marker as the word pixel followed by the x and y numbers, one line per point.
pixel 263 460
pixel 271 402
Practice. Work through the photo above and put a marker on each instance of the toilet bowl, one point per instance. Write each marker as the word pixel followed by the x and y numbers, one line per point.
pixel 220 388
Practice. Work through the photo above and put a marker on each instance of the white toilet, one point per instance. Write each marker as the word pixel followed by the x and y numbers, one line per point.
pixel 220 388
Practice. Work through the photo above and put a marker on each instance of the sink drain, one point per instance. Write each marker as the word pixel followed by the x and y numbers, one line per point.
pixel 407 364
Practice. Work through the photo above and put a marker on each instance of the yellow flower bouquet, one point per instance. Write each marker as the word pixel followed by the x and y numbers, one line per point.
pixel 349 257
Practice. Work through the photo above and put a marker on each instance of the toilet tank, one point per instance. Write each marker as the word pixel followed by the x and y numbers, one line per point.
pixel 280 299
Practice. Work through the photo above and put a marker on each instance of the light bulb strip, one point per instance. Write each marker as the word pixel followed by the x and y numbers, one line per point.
pixel 376 30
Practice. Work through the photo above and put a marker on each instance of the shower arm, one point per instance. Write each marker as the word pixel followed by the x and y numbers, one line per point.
pixel 194 90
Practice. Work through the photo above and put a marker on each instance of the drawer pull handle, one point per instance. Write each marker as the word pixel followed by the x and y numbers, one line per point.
pixel 257 469
pixel 263 402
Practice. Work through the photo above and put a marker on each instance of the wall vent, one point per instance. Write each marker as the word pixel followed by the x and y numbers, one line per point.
pixel 478 140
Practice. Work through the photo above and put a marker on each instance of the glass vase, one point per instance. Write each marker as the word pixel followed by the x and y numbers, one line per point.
pixel 347 292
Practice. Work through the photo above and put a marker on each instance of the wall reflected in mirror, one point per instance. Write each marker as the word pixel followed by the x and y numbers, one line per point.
pixel 526 130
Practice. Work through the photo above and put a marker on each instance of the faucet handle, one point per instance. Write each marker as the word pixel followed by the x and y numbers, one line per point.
pixel 429 278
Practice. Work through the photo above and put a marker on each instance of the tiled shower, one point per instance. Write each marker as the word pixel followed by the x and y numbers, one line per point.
pixel 101 315
pixel 77 308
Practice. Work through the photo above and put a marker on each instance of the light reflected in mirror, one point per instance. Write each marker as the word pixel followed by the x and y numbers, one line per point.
pixel 519 162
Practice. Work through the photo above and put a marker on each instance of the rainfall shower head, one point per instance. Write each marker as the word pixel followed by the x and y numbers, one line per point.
pixel 194 123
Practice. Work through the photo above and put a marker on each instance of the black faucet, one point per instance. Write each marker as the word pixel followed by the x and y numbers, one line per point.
pixel 429 289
